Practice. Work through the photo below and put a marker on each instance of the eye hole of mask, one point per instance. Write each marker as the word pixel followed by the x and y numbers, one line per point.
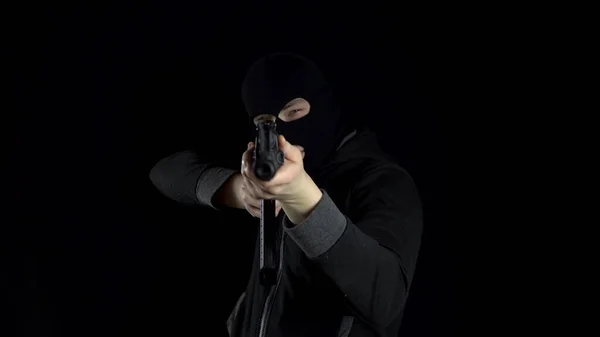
pixel 294 110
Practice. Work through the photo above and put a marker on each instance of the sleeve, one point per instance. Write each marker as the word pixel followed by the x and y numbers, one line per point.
pixel 183 178
pixel 372 260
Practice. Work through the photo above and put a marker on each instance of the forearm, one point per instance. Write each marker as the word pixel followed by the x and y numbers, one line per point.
pixel 298 209
pixel 371 277
pixel 176 176
pixel 226 195
pixel 183 177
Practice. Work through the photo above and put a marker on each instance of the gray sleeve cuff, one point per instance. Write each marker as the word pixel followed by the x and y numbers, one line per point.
pixel 209 182
pixel 320 231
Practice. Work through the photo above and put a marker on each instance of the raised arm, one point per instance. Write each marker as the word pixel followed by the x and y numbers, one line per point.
pixel 184 178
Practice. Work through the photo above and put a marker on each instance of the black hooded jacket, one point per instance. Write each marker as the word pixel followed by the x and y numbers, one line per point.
pixel 346 270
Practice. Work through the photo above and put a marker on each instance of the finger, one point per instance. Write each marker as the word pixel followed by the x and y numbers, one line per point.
pixel 250 189
pixel 255 212
pixel 258 190
pixel 247 199
pixel 251 204
pixel 247 159
pixel 290 151
pixel 301 148
pixel 255 203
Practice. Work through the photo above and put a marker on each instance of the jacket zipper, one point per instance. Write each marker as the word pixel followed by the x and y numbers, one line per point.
pixel 262 332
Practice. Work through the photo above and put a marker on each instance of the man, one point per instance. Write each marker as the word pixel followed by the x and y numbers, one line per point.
pixel 350 219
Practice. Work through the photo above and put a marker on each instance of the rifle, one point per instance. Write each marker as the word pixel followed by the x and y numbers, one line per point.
pixel 267 160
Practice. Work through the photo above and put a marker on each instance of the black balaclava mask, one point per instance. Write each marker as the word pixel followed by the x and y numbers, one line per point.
pixel 276 79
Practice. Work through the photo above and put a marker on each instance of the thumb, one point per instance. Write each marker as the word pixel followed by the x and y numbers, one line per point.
pixel 301 151
pixel 283 143
pixel 290 151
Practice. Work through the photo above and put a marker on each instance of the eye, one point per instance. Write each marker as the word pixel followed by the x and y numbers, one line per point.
pixel 293 112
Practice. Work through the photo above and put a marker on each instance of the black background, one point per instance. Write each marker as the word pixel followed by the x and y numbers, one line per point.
pixel 102 92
